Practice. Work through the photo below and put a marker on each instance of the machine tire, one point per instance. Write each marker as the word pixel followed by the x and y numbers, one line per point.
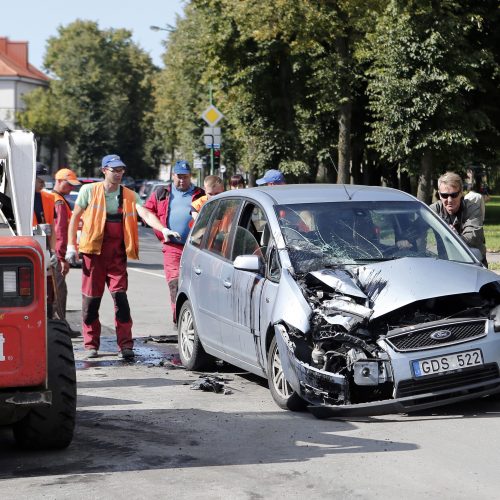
pixel 284 396
pixel 191 351
pixel 52 426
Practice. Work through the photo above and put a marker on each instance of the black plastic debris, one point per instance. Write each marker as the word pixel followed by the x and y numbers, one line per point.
pixel 211 383
pixel 172 361
pixel 162 339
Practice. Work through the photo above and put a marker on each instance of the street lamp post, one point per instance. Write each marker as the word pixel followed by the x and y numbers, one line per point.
pixel 168 28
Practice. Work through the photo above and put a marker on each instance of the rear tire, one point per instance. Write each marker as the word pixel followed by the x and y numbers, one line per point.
pixel 284 396
pixel 52 426
pixel 191 351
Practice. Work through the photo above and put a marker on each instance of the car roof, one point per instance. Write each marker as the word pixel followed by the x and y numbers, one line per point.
pixel 290 194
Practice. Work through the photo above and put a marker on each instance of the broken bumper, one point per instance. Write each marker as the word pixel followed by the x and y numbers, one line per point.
pixel 317 387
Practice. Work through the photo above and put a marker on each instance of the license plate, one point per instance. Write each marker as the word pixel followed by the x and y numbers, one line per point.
pixel 450 362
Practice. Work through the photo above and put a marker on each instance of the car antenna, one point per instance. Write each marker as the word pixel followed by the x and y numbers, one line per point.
pixel 333 163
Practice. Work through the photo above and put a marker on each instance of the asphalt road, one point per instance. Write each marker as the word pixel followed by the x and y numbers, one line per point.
pixel 142 432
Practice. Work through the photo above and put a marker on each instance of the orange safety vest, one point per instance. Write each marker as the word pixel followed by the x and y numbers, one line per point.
pixel 199 202
pixel 95 220
pixel 48 206
pixel 60 197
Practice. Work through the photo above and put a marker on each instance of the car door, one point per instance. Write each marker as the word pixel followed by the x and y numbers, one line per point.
pixel 245 288
pixel 204 269
pixel 213 291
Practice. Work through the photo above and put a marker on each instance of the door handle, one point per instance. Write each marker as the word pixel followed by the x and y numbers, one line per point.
pixel 197 270
pixel 227 284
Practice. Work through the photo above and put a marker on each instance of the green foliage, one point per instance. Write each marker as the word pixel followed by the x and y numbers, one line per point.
pixel 299 83
pixel 99 98
pixel 426 68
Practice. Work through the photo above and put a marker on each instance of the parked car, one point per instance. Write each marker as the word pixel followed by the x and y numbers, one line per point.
pixel 349 299
pixel 148 188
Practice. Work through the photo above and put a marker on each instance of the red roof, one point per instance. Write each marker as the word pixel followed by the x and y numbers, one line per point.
pixel 14 61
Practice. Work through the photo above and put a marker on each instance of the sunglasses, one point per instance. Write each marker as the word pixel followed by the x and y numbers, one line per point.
pixel 449 195
pixel 117 170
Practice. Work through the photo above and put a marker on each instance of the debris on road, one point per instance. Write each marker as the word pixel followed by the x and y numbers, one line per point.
pixel 211 383
pixel 172 361
pixel 162 339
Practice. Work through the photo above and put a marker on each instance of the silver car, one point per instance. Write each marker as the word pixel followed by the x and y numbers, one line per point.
pixel 352 300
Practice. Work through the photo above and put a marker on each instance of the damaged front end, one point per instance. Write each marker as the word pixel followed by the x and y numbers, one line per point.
pixel 371 327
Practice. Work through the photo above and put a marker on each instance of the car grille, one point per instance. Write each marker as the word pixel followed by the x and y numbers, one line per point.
pixel 447 381
pixel 415 339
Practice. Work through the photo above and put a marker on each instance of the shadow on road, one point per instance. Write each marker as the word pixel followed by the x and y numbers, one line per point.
pixel 114 441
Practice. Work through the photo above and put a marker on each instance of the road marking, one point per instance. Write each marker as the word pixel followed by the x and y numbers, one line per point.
pixel 145 272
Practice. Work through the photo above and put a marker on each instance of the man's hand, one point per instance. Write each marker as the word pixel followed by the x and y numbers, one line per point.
pixel 64 268
pixel 168 233
pixel 53 259
pixel 71 255
pixel 403 244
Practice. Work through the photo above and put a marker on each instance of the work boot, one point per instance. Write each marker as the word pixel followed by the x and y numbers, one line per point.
pixel 91 353
pixel 126 354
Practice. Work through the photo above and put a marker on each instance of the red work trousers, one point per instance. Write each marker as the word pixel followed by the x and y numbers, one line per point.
pixel 109 268
pixel 171 263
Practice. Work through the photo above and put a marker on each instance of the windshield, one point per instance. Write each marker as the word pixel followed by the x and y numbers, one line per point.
pixel 319 235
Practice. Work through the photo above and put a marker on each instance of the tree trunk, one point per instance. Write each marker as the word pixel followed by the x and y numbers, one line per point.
pixel 357 158
pixel 345 114
pixel 424 192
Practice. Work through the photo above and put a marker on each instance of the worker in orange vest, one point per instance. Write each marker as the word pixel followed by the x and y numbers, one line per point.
pixel 213 185
pixel 44 213
pixel 65 181
pixel 109 236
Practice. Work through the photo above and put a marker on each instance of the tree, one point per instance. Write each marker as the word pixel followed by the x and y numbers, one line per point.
pixel 100 95
pixel 44 116
pixel 424 75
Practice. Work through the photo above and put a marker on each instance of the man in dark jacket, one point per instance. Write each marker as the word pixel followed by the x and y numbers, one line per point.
pixel 172 205
pixel 463 216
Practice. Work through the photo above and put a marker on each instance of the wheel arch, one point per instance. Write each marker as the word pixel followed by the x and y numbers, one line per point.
pixel 181 298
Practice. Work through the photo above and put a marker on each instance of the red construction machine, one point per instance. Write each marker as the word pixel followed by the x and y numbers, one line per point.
pixel 37 368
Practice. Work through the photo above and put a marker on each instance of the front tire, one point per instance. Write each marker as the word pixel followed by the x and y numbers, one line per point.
pixel 52 426
pixel 284 396
pixel 191 351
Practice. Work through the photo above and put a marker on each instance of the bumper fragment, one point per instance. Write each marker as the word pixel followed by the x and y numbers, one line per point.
pixel 313 385
pixel 409 404
pixel 324 391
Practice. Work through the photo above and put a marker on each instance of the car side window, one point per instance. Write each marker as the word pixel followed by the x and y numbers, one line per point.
pixel 253 233
pixel 274 266
pixel 220 228
pixel 201 224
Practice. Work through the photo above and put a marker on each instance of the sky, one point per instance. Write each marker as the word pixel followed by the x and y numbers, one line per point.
pixel 35 21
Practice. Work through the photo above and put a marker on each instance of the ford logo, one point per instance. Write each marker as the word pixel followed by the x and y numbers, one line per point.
pixel 440 335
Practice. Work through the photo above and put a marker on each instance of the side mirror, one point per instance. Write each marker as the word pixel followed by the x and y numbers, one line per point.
pixel 251 263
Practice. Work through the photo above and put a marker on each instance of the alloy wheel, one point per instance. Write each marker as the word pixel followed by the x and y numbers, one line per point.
pixel 187 334
pixel 281 385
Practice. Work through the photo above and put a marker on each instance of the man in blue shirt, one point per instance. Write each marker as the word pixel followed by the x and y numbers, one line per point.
pixel 172 205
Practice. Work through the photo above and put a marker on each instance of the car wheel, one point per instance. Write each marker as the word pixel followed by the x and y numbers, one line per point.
pixel 191 351
pixel 284 396
pixel 52 426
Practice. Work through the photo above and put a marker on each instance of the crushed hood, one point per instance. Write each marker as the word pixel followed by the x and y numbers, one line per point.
pixel 394 284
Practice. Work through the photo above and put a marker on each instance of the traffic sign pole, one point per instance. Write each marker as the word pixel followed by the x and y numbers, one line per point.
pixel 212 116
